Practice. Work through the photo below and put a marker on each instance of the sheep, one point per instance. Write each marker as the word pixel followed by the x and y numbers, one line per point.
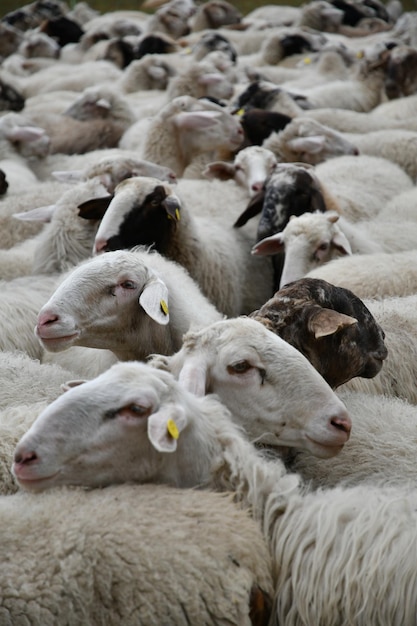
pixel 397 109
pixel 124 279
pixel 363 92
pixel 396 315
pixel 400 79
pixel 250 168
pixel 96 119
pixel 304 139
pixel 275 496
pixel 313 239
pixel 200 80
pixel 12 162
pixel 216 576
pixel 307 140
pixel 113 169
pixel 12 230
pixel 186 128
pixel 62 244
pixel 296 188
pixel 65 76
pixel 248 370
pixel 331 326
pixel 211 250
pixel 376 179
pixel 214 14
pixel 376 275
pixel 162 417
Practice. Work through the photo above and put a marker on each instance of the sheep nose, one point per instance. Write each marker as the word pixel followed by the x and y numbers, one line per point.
pixel 100 246
pixel 47 319
pixel 342 423
pixel 256 186
pixel 25 458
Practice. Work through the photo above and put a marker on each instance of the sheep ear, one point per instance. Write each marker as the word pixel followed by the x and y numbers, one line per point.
pixel 254 207
pixel 165 426
pixel 312 144
pixel 25 133
pixel 41 214
pixel 95 208
pixel 341 243
pixel 193 376
pixel 195 120
pixel 269 245
pixel 220 170
pixel 154 300
pixel 70 384
pixel 328 322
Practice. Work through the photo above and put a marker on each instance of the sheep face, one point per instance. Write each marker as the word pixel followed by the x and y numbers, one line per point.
pixel 330 325
pixel 143 212
pixel 89 306
pixel 292 189
pixel 277 397
pixel 112 429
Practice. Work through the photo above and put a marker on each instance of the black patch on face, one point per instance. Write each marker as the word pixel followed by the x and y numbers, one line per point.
pixel 63 30
pixel 294 44
pixel 145 224
pixel 257 97
pixel 258 124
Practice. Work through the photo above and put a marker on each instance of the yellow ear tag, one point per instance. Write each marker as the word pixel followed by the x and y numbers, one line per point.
pixel 359 54
pixel 164 307
pixel 172 428
pixel 307 60
pixel 187 50
pixel 240 112
pixel 177 215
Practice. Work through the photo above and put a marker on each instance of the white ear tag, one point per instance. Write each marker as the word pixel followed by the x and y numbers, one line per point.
pixel 154 301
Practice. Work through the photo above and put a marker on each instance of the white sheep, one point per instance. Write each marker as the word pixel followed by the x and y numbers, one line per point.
pixel 250 168
pixel 313 142
pixel 15 130
pixel 355 527
pixel 362 184
pixel 201 79
pixel 312 239
pixel 97 118
pixel 304 139
pixel 186 128
pixel 157 295
pixel 213 252
pixel 267 367
pixel 362 92
pixel 12 231
pixel 376 275
pixel 156 555
pixel 147 413
pixel 64 242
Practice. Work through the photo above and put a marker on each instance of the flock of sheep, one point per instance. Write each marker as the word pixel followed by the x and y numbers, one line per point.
pixel 208 242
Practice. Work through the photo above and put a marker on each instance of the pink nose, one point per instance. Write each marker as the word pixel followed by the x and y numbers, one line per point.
pixel 25 458
pixel 100 246
pixel 256 186
pixel 342 423
pixel 46 319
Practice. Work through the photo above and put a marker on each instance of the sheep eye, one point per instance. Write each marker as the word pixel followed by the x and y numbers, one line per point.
pixel 239 368
pixel 137 409
pixel 323 247
pixel 128 284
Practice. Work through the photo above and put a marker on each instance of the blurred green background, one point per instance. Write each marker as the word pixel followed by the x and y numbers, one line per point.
pixel 112 5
